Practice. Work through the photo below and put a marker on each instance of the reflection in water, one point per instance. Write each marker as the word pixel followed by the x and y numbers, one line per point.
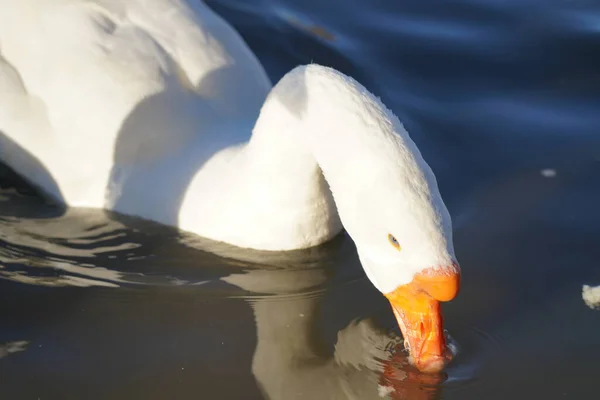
pixel 290 362
pixel 307 26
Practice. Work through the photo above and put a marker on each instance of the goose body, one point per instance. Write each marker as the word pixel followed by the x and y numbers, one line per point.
pixel 157 108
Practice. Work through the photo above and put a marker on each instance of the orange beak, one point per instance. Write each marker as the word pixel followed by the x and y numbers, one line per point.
pixel 417 309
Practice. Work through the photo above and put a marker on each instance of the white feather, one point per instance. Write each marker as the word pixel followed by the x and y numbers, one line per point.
pixel 151 108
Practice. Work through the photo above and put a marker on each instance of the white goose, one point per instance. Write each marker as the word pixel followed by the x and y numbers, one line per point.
pixel 151 108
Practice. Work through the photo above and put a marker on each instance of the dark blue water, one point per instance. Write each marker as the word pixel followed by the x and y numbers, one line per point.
pixel 502 98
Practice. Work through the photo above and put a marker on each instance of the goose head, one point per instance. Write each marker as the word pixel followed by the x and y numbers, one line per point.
pixel 405 247
pixel 386 196
pixel 403 235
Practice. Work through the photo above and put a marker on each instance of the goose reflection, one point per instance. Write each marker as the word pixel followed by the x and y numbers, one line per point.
pixel 290 360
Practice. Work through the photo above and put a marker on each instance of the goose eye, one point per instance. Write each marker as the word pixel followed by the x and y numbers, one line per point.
pixel 393 241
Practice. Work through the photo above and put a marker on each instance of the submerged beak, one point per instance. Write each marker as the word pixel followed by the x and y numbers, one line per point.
pixel 417 309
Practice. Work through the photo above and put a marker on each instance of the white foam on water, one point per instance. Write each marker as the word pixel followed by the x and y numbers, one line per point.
pixel 548 173
pixel 591 296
